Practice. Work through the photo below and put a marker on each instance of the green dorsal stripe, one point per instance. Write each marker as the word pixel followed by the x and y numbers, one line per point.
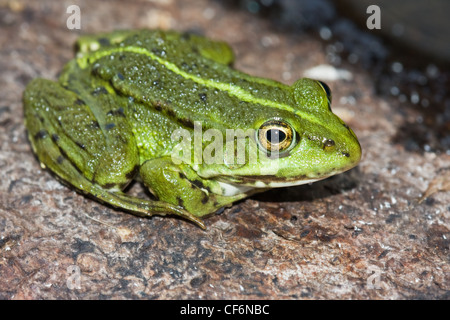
pixel 232 89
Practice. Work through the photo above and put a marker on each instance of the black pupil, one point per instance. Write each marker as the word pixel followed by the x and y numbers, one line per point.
pixel 275 136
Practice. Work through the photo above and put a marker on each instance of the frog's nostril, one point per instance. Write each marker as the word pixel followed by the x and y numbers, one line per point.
pixel 328 143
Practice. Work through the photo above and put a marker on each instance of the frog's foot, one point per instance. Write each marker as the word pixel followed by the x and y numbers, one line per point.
pixel 142 207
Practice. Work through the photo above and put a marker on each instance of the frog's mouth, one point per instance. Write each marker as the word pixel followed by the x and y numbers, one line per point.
pixel 234 185
pixel 247 184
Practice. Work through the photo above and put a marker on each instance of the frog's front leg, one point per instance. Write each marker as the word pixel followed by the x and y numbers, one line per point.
pixel 181 185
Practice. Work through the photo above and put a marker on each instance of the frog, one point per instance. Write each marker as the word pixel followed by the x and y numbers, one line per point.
pixel 146 106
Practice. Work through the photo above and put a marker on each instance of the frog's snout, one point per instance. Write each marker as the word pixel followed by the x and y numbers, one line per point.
pixel 351 151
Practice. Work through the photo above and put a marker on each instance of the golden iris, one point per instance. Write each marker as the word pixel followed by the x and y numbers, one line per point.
pixel 275 135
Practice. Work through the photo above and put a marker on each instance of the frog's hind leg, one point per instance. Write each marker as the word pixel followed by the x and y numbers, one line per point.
pixel 70 175
pixel 46 138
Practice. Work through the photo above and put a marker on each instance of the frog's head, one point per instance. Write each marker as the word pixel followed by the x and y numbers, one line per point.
pixel 303 140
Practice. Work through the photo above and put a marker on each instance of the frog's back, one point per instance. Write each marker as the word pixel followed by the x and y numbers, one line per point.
pixel 184 76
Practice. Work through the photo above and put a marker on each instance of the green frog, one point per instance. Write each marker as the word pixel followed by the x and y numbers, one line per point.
pixel 167 109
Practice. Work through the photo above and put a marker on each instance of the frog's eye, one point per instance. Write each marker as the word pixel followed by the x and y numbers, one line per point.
pixel 276 135
pixel 327 90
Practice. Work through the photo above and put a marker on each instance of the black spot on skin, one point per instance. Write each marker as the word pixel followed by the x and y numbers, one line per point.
pixel 64 154
pixel 55 137
pixel 79 102
pixel 180 202
pixel 203 97
pixel 158 106
pixel 109 126
pixel 81 145
pixel 121 57
pixel 41 134
pixel 205 198
pixel 346 154
pixel 104 41
pixel 132 173
pixel 187 123
pixel 94 125
pixel 99 90
pixel 182 175
pixel 198 184
pixel 120 76
pixel 119 112
pixel 108 185
pixel 171 113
